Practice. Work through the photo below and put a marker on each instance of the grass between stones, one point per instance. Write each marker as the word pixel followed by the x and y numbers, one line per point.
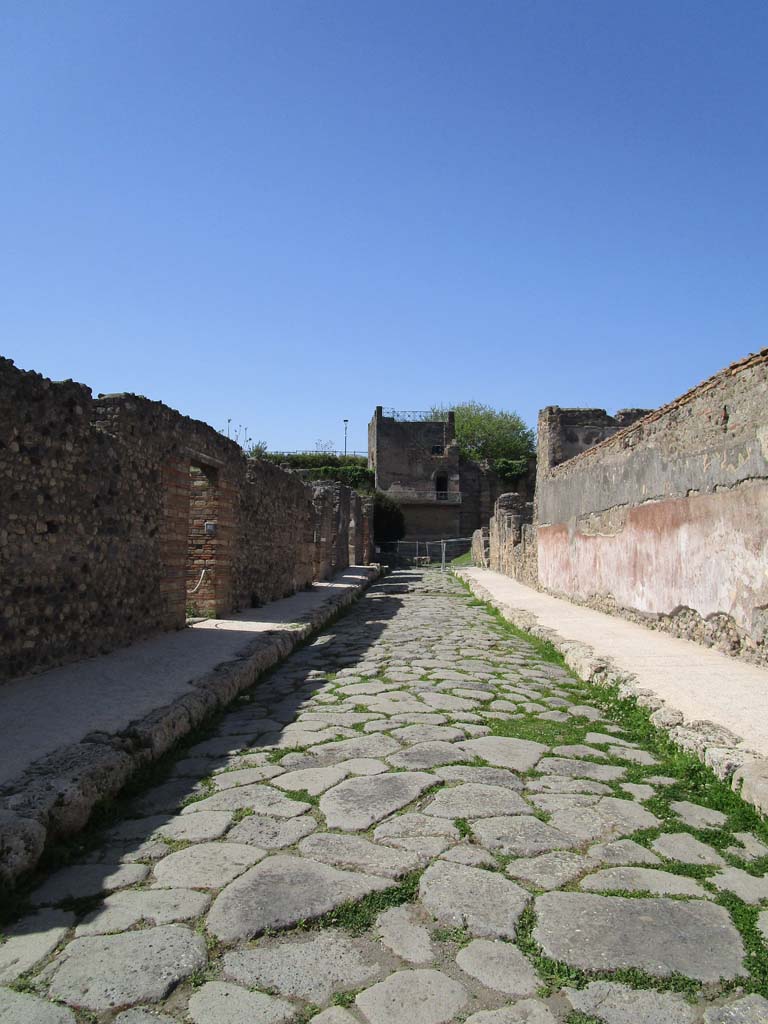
pixel 694 782
pixel 460 936
pixel 357 916
pixel 463 828
pixel 301 795
pixel 557 974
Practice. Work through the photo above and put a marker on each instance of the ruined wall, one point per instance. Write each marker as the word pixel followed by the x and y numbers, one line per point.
pixel 80 537
pixel 274 552
pixel 481 548
pixel 332 504
pixel 508 544
pixel 667 520
pixel 119 515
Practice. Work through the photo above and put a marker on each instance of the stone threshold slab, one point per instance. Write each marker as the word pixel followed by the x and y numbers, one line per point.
pixel 74 735
pixel 714 706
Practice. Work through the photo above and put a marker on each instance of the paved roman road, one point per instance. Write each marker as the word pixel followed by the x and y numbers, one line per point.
pixel 420 817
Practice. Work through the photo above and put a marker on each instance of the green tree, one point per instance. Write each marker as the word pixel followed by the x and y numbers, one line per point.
pixel 501 438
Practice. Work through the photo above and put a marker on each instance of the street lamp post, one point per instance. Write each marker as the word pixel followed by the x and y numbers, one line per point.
pixel 345 436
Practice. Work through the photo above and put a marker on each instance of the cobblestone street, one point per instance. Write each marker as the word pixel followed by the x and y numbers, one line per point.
pixel 420 816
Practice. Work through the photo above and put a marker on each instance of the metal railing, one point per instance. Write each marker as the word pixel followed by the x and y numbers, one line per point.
pixel 406 496
pixel 415 415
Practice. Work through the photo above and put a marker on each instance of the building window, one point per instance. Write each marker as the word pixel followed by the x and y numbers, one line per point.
pixel 441 487
pixel 438 449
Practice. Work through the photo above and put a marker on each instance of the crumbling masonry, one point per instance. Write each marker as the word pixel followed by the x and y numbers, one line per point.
pixel 119 516
pixel 661 517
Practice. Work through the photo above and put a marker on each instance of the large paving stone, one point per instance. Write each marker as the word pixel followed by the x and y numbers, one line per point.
pixel 446 702
pixel 203 827
pixel 549 870
pixel 428 734
pixel 31 940
pixel 260 799
pixel 484 902
pixel 313 780
pixel 272 833
pixel 552 802
pixel 427 755
pixel 359 854
pixel 123 910
pixel 581 769
pixel 475 800
pixel 87 880
pixel 219 1003
pixel 281 891
pixel 622 851
pixel 415 826
pixel 657 935
pixel 609 816
pixel 747 887
pixel 359 803
pixel 307 968
pixel 750 847
pixel 686 848
pixel 111 971
pixel 335 1015
pixel 661 883
pixel 747 1010
pixel 401 931
pixel 22 1008
pixel 485 776
pixel 343 750
pixel 619 1004
pixel 246 776
pixel 521 836
pixel 363 766
pixel 526 1011
pixel 697 816
pixel 419 996
pixel 207 865
pixel 139 1016
pixel 474 856
pixel 563 784
pixel 500 966
pixel 503 752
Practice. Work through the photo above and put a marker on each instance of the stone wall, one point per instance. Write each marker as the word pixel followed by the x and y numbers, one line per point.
pixel 120 515
pixel 508 544
pixel 666 521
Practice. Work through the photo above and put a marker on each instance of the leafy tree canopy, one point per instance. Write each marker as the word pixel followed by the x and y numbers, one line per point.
pixel 500 437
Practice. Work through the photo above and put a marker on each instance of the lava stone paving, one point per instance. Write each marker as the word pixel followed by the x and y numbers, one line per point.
pixel 420 816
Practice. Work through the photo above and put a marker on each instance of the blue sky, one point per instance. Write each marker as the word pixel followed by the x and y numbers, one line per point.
pixel 285 213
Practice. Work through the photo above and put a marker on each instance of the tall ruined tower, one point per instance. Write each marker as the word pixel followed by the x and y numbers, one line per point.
pixel 416 461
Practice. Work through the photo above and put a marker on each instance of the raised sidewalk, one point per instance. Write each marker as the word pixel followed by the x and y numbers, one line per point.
pixel 72 735
pixel 712 704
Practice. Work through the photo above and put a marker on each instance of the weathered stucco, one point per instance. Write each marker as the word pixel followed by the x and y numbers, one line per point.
pixel 707 552
pixel 668 515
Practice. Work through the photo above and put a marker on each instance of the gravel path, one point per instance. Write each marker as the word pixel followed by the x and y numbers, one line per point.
pixel 421 816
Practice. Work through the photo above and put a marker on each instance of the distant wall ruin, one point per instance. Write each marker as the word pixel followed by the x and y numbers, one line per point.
pixel 119 516
pixel 662 517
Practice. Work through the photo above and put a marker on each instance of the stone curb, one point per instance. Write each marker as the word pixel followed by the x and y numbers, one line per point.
pixel 713 744
pixel 55 796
